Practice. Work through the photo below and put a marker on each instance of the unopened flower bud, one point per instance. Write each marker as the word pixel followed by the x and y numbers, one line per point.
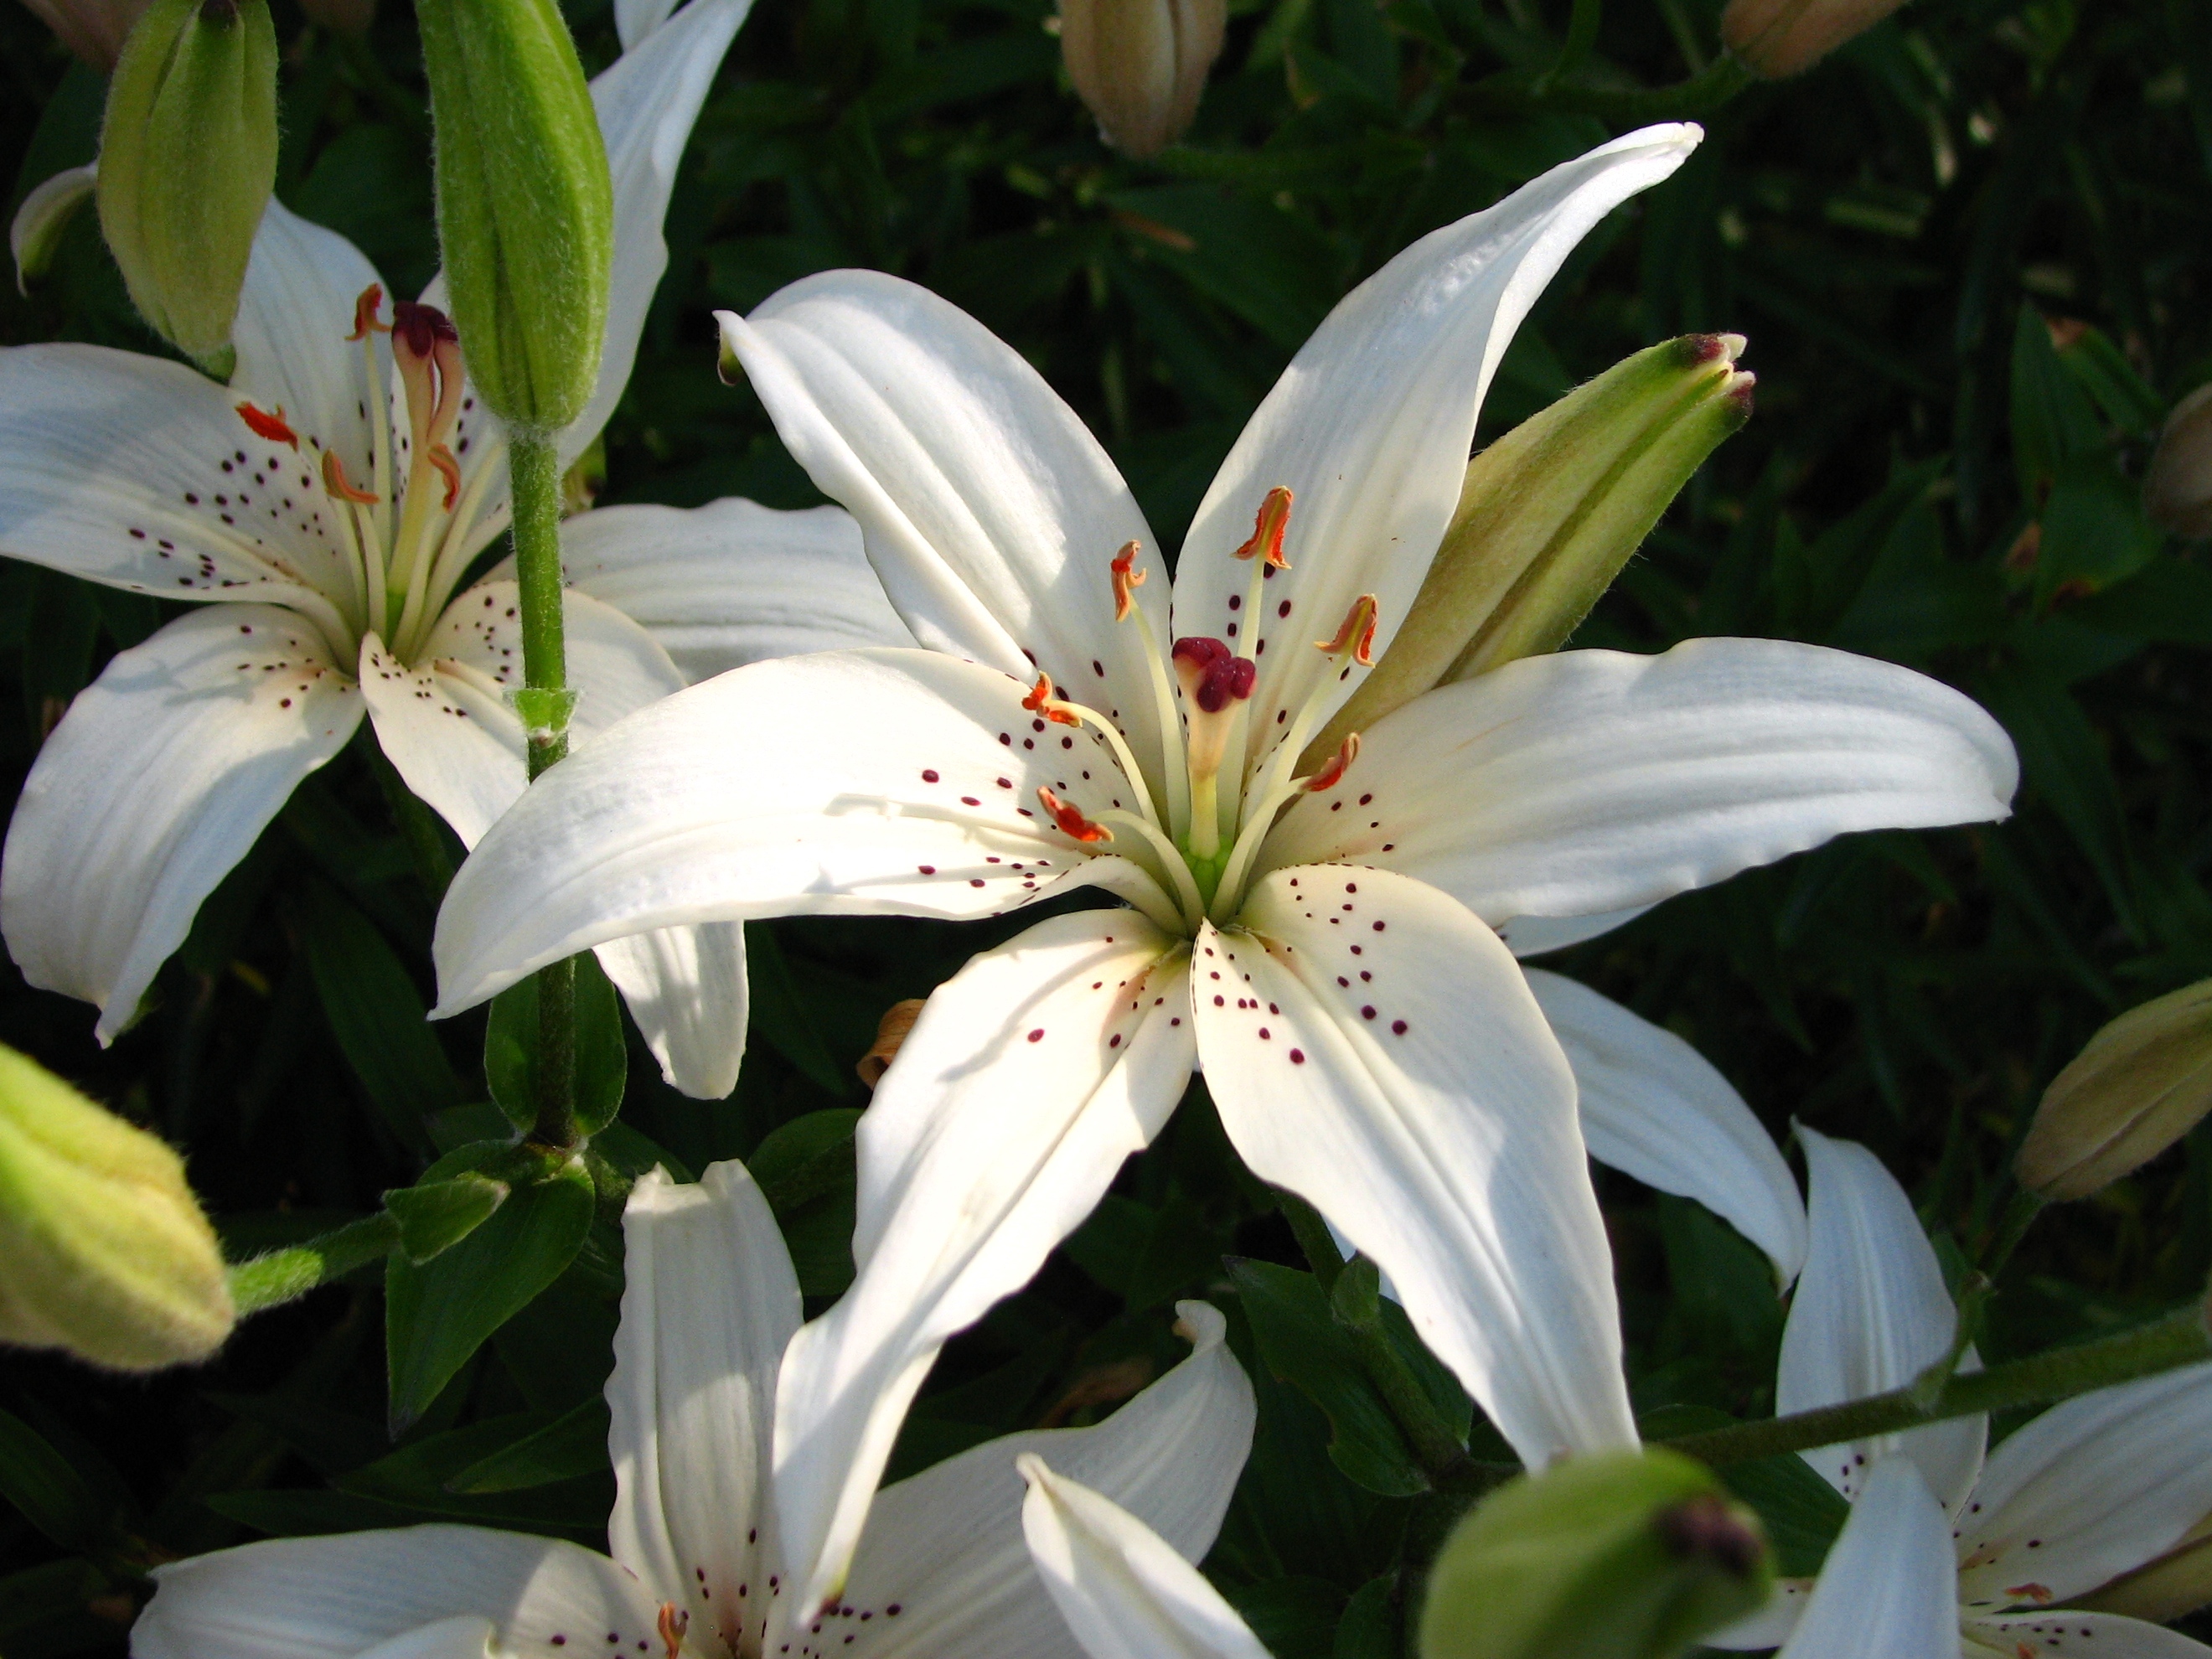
pixel 35 234
pixel 2176 491
pixel 1548 516
pixel 1778 37
pixel 1141 64
pixel 1617 1555
pixel 187 158
pixel 2165 1587
pixel 103 1249
pixel 526 212
pixel 890 1037
pixel 94 29
pixel 2142 1083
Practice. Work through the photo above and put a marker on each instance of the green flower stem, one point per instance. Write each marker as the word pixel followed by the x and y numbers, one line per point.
pixel 2179 1339
pixel 1313 1238
pixel 286 1275
pixel 418 827
pixel 534 472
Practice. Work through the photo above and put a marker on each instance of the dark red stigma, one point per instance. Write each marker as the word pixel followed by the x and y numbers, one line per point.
pixel 1222 675
pixel 422 327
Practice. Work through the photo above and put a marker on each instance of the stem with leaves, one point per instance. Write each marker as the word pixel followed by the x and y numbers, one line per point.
pixel 286 1275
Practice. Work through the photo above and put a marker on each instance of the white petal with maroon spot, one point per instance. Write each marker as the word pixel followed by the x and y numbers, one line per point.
pixel 1372 1047
pixel 2103 1635
pixel 1370 425
pixel 1030 1076
pixel 858 783
pixel 1886 1588
pixel 160 778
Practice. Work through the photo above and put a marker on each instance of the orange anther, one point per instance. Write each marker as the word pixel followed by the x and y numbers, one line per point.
pixel 271 427
pixel 2038 1594
pixel 364 312
pixel 1356 633
pixel 442 458
pixel 1333 770
pixel 334 480
pixel 1040 702
pixel 1267 526
pixel 1071 822
pixel 674 1622
pixel 1127 576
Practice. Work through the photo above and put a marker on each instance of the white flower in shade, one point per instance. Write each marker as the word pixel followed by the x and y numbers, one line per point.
pixel 1326 946
pixel 338 520
pixel 1947 1551
pixel 709 1300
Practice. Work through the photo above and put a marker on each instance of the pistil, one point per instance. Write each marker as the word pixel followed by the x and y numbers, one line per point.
pixel 1217 683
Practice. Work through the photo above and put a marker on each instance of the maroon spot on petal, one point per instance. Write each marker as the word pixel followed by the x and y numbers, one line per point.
pixel 974 881
pixel 1378 926
pixel 1036 1035
pixel 929 775
pixel 970 800
pixel 926 869
pixel 1398 1027
pixel 1367 1012
pixel 1263 1034
pixel 1298 1056
pixel 1114 1042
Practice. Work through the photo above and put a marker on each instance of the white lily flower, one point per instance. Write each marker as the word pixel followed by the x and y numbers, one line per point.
pixel 339 537
pixel 708 1302
pixel 1946 1551
pixel 1326 946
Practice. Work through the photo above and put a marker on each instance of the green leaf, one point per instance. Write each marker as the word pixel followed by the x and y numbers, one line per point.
pixel 1374 1622
pixel 423 1477
pixel 41 1484
pixel 46 1610
pixel 803 1159
pixel 1803 1513
pixel 602 1057
pixel 2052 419
pixel 1293 1617
pixel 308 1514
pixel 378 1016
pixel 2127 400
pixel 331 1440
pixel 439 1314
pixel 2094 534
pixel 572 1445
pixel 436 1215
pixel 58 632
pixel 2169 600
pixel 781 1017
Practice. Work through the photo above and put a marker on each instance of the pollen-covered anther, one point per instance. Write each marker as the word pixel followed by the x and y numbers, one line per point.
pixel 334 480
pixel 1040 701
pixel 1356 634
pixel 1267 526
pixel 1126 579
pixel 1071 820
pixel 2039 1594
pixel 1332 770
pixel 265 425
pixel 364 312
pixel 674 1621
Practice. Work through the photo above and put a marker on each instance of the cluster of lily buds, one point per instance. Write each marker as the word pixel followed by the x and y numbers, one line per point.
pixel 104 1251
pixel 187 159
pixel 1616 1555
pixel 1780 38
pixel 1548 515
pixel 526 207
pixel 1141 64
pixel 2143 1082
pixel 2178 487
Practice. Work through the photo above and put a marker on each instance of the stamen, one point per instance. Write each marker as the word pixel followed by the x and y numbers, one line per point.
pixel 1126 579
pixel 1071 822
pixel 674 1623
pixel 1040 701
pixel 271 427
pixel 1356 632
pixel 441 456
pixel 364 312
pixel 1333 770
pixel 1267 527
pixel 334 480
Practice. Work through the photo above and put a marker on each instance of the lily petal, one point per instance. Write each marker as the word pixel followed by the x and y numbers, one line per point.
pixel 945 1548
pixel 160 778
pixel 850 782
pixel 2090 1489
pixel 339 1596
pixel 733 582
pixel 1770 1625
pixel 1370 425
pixel 293 315
pixel 2107 1635
pixel 1653 1107
pixel 1123 1592
pixel 991 513
pixel 1887 1587
pixel 1373 1048
pixel 708 1301
pixel 1869 1316
pixel 1032 1074
pixel 1586 782
pixel 686 988
pixel 191 506
pixel 1533 936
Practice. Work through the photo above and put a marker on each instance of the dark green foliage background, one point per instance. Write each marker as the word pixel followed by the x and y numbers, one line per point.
pixel 1891 231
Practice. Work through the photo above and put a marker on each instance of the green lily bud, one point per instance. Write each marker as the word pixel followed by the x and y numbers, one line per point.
pixel 1778 37
pixel 187 158
pixel 1141 64
pixel 2177 490
pixel 103 1249
pixel 1618 1555
pixel 2165 1587
pixel 2142 1083
pixel 525 210
pixel 1548 515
